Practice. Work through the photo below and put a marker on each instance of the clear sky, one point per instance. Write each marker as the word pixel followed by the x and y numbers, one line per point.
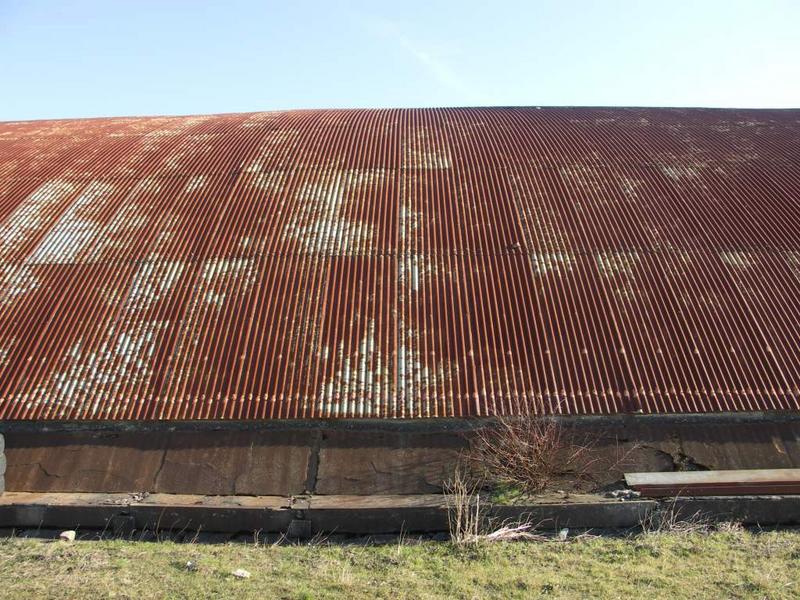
pixel 76 58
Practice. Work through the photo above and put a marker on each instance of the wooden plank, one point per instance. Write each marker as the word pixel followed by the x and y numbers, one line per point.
pixel 722 483
pixel 713 477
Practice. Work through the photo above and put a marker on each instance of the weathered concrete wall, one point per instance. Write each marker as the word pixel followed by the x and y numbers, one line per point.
pixel 190 462
pixel 355 457
pixel 386 462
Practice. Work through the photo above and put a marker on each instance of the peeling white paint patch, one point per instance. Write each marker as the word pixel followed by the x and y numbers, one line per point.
pixel 552 262
pixel 215 298
pixel 586 179
pixel 614 263
pixel 415 271
pixel 792 260
pixel 361 381
pixel 326 225
pixel 233 267
pixel 124 361
pixel 7 273
pixel 32 214
pixel 195 183
pixel 163 238
pixel 278 141
pixel 195 145
pixel 152 282
pixel 742 156
pixel 409 225
pixel 76 229
pixel 221 276
pixel 5 349
pixel 132 164
pixel 539 224
pixel 658 241
pixel 419 152
pixel 18 282
pixel 792 257
pixel 678 173
pixel 177 126
pixel 135 214
pixel 629 187
pixel 260 119
pixel 415 379
pixel 148 185
pixel 620 267
pixel 740 260
pixel 269 181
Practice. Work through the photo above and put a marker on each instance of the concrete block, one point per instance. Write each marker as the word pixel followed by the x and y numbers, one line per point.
pixel 612 515
pixel 82 462
pixel 299 529
pixel 255 463
pixel 189 462
pixel 122 525
pixel 358 462
pixel 748 510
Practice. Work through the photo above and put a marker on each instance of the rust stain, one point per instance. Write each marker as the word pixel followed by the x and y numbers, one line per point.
pixel 400 263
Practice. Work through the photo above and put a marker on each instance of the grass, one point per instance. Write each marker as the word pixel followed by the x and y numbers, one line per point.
pixel 731 564
pixel 506 493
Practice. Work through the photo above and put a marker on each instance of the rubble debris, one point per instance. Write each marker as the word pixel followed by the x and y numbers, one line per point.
pixel 67 536
pixel 625 494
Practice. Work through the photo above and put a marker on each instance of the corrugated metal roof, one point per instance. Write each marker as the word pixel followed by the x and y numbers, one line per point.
pixel 400 263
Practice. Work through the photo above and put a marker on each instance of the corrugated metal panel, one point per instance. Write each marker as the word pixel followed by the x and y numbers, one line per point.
pixel 400 263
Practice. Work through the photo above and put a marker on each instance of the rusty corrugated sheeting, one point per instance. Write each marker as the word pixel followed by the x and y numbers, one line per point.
pixel 400 263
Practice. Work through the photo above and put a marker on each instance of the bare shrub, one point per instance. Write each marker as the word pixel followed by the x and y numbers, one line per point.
pixel 527 452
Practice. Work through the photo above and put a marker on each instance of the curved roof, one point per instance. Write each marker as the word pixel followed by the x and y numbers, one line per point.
pixel 400 263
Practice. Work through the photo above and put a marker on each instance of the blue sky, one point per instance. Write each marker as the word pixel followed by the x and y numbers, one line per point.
pixel 92 58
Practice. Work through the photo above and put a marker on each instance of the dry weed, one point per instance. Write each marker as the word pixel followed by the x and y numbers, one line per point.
pixel 471 527
pixel 669 519
pixel 463 509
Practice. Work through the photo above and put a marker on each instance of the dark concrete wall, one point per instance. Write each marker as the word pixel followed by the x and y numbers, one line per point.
pixel 361 457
